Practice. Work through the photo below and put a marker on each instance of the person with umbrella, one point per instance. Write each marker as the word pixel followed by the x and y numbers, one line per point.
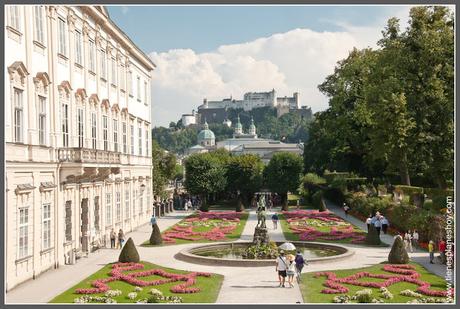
pixel 281 267
pixel 290 271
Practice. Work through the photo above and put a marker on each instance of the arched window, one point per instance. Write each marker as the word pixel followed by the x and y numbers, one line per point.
pixel 41 81
pixel 18 74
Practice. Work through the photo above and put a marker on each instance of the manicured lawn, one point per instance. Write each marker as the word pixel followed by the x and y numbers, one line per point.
pixel 320 226
pixel 311 286
pixel 209 287
pixel 203 226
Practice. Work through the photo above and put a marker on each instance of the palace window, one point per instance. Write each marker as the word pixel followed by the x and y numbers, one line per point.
pixel 18 115
pixel 41 120
pixel 65 122
pixel 108 209
pixel 138 88
pixel 131 83
pixel 145 93
pixel 141 202
pixel 62 44
pixel 93 130
pixel 122 77
pixel 68 220
pixel 132 139
pixel 134 202
pixel 146 143
pixel 114 71
pixel 92 56
pixel 78 48
pixel 127 204
pixel 96 213
pixel 115 135
pixel 46 226
pixel 125 138
pixel 14 20
pixel 105 132
pixel 118 205
pixel 38 17
pixel 23 232
pixel 80 124
pixel 103 64
pixel 139 134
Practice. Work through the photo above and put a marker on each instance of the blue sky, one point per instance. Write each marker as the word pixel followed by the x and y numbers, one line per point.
pixel 204 28
pixel 216 51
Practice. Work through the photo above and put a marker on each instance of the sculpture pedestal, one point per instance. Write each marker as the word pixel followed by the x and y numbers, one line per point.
pixel 261 236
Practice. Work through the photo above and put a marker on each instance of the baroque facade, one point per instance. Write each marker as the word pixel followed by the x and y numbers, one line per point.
pixel 77 134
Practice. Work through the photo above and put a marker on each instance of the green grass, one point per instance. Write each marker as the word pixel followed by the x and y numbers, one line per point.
pixel 235 235
pixel 289 235
pixel 311 287
pixel 209 287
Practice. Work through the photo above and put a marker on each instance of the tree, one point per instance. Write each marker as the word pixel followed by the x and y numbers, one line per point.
pixel 283 174
pixel 204 175
pixel 155 236
pixel 244 174
pixel 129 253
pixel 163 168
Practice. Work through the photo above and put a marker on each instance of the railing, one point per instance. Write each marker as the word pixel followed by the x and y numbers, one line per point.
pixel 85 155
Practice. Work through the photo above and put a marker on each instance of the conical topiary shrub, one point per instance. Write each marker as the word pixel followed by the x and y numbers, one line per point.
pixel 398 253
pixel 372 237
pixel 155 237
pixel 129 253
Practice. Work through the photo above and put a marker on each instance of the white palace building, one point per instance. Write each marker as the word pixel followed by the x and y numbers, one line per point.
pixel 77 134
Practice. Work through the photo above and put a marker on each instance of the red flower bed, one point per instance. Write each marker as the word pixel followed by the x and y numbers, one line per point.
pixel 402 273
pixel 298 224
pixel 118 274
pixel 215 234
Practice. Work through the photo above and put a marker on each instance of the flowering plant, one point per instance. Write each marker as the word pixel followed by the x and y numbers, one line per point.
pixel 132 295
pixel 400 273
pixel 118 274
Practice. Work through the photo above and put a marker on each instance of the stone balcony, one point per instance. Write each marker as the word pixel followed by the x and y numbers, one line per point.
pixel 86 155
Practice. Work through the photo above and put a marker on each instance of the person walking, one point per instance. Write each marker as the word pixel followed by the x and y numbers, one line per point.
pixel 415 237
pixel 299 264
pixel 369 222
pixel 408 241
pixel 113 237
pixel 186 205
pixel 281 268
pixel 275 220
pixel 431 251
pixel 378 225
pixel 121 238
pixel 346 208
pixel 153 220
pixel 290 271
pixel 385 224
pixel 442 251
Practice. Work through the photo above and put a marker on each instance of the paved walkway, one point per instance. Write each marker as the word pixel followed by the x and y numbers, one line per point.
pixel 66 276
pixel 419 256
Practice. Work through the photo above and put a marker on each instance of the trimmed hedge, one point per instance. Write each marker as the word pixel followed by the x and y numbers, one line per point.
pixel 408 190
pixel 129 253
pixel 318 202
pixel 330 176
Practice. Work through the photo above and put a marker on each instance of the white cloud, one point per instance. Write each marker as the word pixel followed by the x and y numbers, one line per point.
pixel 124 9
pixel 297 60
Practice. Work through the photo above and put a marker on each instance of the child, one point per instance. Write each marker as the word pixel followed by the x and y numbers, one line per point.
pixel 431 251
pixel 290 270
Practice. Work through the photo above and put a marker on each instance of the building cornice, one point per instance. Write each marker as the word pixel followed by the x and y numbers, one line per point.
pixel 112 29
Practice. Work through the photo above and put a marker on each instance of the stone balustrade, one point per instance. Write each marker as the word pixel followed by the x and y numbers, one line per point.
pixel 86 155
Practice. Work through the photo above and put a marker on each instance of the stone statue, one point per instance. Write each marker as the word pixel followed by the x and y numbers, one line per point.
pixel 261 212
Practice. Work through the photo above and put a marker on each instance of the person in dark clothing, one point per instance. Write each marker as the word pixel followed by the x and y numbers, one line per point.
pixel 299 264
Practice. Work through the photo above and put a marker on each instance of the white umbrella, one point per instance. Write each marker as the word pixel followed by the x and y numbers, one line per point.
pixel 287 246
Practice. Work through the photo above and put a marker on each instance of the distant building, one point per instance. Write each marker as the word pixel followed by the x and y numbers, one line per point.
pixel 189 119
pixel 206 137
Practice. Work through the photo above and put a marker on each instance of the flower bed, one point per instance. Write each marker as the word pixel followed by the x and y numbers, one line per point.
pixel 118 274
pixel 400 273
pixel 313 225
pixel 205 226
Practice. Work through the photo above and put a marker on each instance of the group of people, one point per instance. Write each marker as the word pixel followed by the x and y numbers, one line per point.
pixel 289 266
pixel 192 203
pixel 442 246
pixel 411 240
pixel 117 241
pixel 379 221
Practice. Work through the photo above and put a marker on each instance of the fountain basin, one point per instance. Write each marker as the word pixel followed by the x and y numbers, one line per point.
pixel 228 254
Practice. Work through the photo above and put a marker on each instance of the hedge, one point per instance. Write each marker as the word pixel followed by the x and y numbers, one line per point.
pixel 408 190
pixel 330 176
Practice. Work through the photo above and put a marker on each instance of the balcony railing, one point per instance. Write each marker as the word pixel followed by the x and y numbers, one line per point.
pixel 85 155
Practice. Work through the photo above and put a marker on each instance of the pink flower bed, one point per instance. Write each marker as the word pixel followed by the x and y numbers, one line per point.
pixel 401 273
pixel 298 224
pixel 216 233
pixel 118 274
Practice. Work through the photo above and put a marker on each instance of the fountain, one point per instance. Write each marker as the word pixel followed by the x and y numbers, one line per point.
pixel 261 251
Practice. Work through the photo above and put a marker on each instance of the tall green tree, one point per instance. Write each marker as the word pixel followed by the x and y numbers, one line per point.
pixel 204 175
pixel 163 169
pixel 244 175
pixel 283 174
